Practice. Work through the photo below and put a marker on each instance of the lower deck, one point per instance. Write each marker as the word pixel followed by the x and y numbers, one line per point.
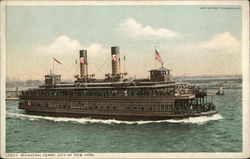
pixel 130 109
pixel 118 115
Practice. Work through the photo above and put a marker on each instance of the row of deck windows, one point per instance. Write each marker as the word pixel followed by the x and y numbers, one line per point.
pixel 103 106
pixel 103 93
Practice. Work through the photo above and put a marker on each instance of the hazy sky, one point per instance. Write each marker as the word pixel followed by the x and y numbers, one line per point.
pixel 191 40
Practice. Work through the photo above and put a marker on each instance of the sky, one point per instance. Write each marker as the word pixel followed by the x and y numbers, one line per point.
pixel 192 40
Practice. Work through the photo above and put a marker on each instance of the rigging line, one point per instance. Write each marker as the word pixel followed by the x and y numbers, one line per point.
pixel 91 63
pixel 107 68
pixel 103 64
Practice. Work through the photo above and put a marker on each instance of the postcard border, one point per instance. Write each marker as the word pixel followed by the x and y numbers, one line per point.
pixel 245 69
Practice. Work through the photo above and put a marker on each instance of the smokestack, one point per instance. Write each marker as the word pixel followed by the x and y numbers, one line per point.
pixel 115 55
pixel 83 64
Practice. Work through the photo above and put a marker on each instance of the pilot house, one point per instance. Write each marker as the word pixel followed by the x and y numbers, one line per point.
pixel 52 79
pixel 160 75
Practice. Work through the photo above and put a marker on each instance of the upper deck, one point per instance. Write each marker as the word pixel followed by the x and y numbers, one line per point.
pixel 116 90
pixel 115 84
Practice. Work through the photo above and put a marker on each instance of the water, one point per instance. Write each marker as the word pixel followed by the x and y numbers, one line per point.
pixel 36 134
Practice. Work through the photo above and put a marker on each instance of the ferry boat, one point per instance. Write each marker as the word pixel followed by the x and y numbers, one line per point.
pixel 117 97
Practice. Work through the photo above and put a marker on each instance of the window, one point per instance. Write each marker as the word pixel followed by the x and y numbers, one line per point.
pixel 170 107
pixel 166 107
pixel 162 107
pixel 114 107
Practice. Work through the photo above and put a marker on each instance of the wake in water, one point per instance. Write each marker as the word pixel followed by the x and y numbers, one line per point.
pixel 193 120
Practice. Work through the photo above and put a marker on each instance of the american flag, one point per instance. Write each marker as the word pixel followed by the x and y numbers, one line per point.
pixel 157 56
pixel 57 61
pixel 82 60
pixel 114 58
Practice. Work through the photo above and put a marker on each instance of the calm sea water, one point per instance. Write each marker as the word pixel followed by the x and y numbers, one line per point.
pixel 36 134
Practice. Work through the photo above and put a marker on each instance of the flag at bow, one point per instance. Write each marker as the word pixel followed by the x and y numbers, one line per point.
pixel 157 56
pixel 57 61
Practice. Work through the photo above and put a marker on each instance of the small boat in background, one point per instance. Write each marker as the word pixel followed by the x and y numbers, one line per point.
pixel 13 96
pixel 220 91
